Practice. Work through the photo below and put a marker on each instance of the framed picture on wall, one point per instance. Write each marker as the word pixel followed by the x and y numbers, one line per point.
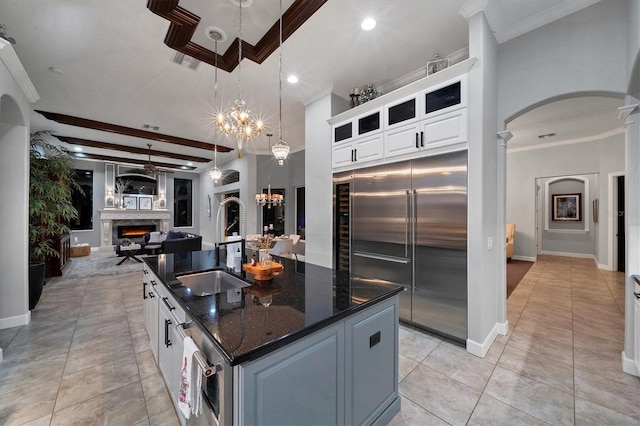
pixel 130 203
pixel 566 207
pixel 145 203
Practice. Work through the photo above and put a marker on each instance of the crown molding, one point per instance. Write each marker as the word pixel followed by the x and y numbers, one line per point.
pixel 594 138
pixel 471 7
pixel 327 90
pixel 505 31
pixel 13 64
pixel 183 25
pixel 625 111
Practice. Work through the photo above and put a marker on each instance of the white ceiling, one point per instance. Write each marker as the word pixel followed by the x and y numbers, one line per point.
pixel 117 69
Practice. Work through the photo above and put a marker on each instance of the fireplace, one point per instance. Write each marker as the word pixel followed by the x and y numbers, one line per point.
pixel 134 232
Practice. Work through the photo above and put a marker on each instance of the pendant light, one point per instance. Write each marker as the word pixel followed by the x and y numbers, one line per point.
pixel 269 199
pixel 215 173
pixel 281 148
pixel 238 121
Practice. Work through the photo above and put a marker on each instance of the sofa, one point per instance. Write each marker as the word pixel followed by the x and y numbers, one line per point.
pixel 173 241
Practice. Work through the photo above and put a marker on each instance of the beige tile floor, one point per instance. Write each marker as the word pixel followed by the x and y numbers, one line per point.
pixel 85 358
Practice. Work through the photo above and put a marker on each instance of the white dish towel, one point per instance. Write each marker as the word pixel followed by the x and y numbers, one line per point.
pixel 189 394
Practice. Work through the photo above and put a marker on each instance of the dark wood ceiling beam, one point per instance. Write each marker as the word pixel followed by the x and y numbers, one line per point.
pixel 83 156
pixel 184 23
pixel 129 131
pixel 131 150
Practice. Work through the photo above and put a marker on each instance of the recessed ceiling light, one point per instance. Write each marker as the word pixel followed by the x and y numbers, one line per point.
pixel 293 79
pixel 77 149
pixel 368 24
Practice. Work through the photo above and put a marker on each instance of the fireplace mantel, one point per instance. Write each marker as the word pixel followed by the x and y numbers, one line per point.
pixel 108 216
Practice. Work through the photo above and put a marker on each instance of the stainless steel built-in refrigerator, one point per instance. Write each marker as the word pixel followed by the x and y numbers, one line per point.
pixel 407 223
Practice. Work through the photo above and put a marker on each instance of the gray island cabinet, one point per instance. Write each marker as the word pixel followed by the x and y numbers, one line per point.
pixel 309 347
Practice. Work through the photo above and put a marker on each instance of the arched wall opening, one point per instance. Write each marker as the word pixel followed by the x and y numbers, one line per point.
pixel 569 134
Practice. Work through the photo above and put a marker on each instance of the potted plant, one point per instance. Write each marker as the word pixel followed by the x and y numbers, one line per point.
pixel 51 179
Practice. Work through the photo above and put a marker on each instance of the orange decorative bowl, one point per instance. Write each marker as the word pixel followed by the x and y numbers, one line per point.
pixel 261 273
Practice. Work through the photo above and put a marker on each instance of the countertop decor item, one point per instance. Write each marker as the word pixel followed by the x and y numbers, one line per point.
pixel 263 273
pixel 367 94
pixel 437 64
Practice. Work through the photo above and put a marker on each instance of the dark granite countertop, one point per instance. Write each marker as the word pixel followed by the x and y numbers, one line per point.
pixel 268 315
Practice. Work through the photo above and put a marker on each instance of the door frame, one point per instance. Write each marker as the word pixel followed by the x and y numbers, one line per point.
pixel 612 198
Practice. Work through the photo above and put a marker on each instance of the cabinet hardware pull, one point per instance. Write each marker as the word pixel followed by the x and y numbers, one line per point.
pixel 637 295
pixel 167 341
pixel 166 302
pixel 151 295
pixel 422 139
pixel 352 156
pixel 144 290
pixel 417 143
pixel 355 155
pixel 153 283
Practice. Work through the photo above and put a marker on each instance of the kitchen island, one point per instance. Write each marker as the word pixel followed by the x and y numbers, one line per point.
pixel 308 347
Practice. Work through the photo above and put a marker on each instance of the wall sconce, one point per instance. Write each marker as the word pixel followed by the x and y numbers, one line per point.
pixel 108 199
pixel 161 201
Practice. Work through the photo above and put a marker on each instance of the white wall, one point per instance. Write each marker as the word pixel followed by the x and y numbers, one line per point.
pixel 524 166
pixel 632 189
pixel 582 53
pixel 318 178
pixel 247 167
pixel 14 192
pixel 487 289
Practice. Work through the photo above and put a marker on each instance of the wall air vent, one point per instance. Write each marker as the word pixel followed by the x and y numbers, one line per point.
pixel 185 60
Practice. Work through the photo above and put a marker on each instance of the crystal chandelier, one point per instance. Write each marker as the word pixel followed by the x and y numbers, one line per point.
pixel 238 121
pixel 269 199
pixel 215 173
pixel 281 148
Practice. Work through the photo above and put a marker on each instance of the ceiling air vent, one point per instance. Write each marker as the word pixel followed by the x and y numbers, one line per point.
pixel 185 60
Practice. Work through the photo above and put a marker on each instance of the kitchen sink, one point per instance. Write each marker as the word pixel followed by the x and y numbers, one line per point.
pixel 211 282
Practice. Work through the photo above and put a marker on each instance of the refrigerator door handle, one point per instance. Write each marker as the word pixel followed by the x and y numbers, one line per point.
pixel 407 223
pixel 414 218
pixel 382 257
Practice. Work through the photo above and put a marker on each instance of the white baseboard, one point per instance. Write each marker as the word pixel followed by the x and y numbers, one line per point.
pixel 629 365
pixel 525 258
pixel 481 349
pixel 16 321
pixel 605 267
pixel 566 254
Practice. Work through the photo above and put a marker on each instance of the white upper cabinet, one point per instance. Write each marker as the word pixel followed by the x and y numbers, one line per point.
pixel 402 112
pixel 426 117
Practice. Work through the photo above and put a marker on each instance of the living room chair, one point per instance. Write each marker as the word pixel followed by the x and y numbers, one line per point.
pixel 511 235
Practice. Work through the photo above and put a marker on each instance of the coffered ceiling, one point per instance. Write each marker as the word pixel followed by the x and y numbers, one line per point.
pixel 107 62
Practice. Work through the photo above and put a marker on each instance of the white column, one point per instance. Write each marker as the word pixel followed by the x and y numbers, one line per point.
pixel 631 117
